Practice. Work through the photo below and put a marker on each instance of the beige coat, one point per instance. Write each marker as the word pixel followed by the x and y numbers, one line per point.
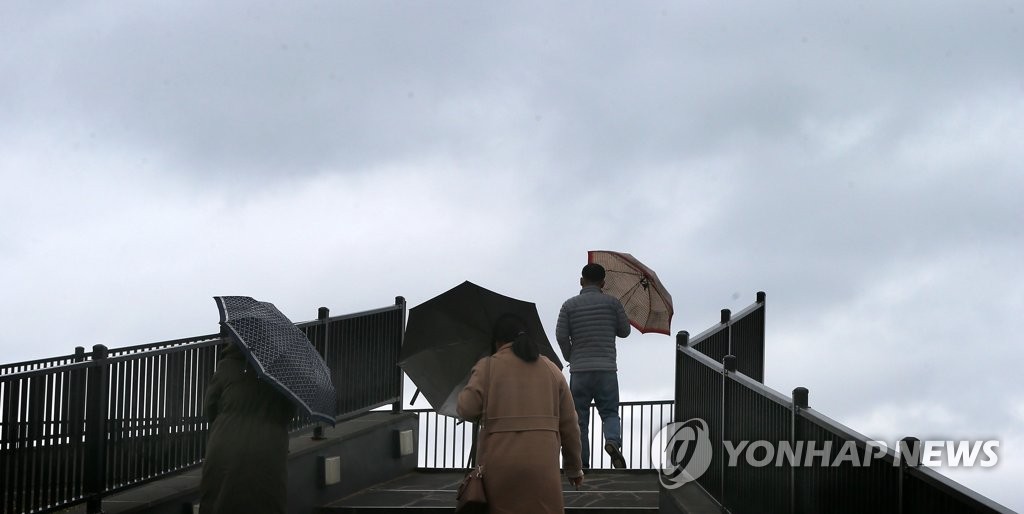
pixel 530 416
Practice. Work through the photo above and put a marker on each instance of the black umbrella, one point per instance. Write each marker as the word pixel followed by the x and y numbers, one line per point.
pixel 448 334
pixel 281 354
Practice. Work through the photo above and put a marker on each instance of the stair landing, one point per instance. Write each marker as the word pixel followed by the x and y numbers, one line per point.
pixel 428 491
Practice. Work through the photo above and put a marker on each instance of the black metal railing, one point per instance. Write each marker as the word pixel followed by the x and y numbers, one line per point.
pixel 740 335
pixel 75 430
pixel 362 352
pixel 32 365
pixel 738 409
pixel 445 442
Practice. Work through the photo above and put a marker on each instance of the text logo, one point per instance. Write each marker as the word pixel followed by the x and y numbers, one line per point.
pixel 682 452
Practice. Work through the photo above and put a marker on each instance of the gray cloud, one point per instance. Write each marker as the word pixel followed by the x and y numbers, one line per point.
pixel 858 163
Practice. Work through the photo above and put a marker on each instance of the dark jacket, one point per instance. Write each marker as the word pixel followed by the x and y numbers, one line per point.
pixel 586 330
pixel 245 468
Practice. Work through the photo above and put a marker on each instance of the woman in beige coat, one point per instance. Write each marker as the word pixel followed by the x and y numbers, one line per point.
pixel 530 416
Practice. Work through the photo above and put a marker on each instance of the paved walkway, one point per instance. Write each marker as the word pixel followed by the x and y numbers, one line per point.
pixel 425 491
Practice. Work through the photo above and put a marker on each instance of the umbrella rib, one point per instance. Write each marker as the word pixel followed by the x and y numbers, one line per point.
pixel 619 270
pixel 631 292
pixel 634 273
pixel 666 301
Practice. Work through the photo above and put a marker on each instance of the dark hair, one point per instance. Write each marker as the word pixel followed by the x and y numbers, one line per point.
pixel 593 273
pixel 510 327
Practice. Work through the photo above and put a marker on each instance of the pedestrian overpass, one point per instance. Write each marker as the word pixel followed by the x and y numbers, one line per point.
pixel 122 430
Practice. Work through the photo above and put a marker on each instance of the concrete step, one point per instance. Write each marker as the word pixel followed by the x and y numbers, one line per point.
pixel 429 491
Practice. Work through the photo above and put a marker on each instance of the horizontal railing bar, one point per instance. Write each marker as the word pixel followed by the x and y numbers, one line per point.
pixel 707 334
pixel 70 366
pixel 701 358
pixel 164 351
pixel 170 343
pixel 621 404
pixel 761 389
pixel 948 485
pixel 371 312
pixel 831 425
pixel 4 368
pixel 836 428
pixel 744 312
pixel 183 341
pixel 718 327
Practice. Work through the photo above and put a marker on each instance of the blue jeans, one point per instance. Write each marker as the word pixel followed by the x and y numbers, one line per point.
pixel 603 388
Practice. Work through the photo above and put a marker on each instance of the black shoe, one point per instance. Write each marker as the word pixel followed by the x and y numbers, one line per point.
pixel 618 461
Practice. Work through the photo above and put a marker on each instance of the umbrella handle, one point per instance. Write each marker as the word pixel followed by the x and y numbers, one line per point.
pixel 414 396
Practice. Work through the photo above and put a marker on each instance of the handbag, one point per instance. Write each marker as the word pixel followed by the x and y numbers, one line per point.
pixel 471 497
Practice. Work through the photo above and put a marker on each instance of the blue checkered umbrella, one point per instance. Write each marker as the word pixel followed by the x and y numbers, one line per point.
pixel 281 354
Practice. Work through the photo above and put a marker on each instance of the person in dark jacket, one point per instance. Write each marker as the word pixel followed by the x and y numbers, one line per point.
pixel 245 468
pixel 587 326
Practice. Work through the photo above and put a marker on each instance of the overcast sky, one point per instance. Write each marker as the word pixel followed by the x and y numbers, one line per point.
pixel 860 163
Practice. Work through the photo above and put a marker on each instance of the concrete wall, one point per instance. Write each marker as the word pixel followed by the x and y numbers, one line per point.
pixel 367 447
pixel 368 450
pixel 688 499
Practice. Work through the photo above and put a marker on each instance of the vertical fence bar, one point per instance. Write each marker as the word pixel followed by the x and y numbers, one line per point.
pixel 173 422
pixel 729 366
pixel 12 436
pixel 34 429
pixel 64 455
pixel 436 432
pixel 79 381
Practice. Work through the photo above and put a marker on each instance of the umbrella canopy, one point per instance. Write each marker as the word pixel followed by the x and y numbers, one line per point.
pixel 648 304
pixel 281 354
pixel 446 335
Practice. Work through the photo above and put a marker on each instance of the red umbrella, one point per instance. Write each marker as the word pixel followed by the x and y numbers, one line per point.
pixel 648 304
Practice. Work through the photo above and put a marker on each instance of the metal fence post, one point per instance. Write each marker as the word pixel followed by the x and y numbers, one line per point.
pixel 910 450
pixel 682 341
pixel 396 408
pixel 800 398
pixel 726 318
pixel 96 431
pixel 321 315
pixel 764 318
